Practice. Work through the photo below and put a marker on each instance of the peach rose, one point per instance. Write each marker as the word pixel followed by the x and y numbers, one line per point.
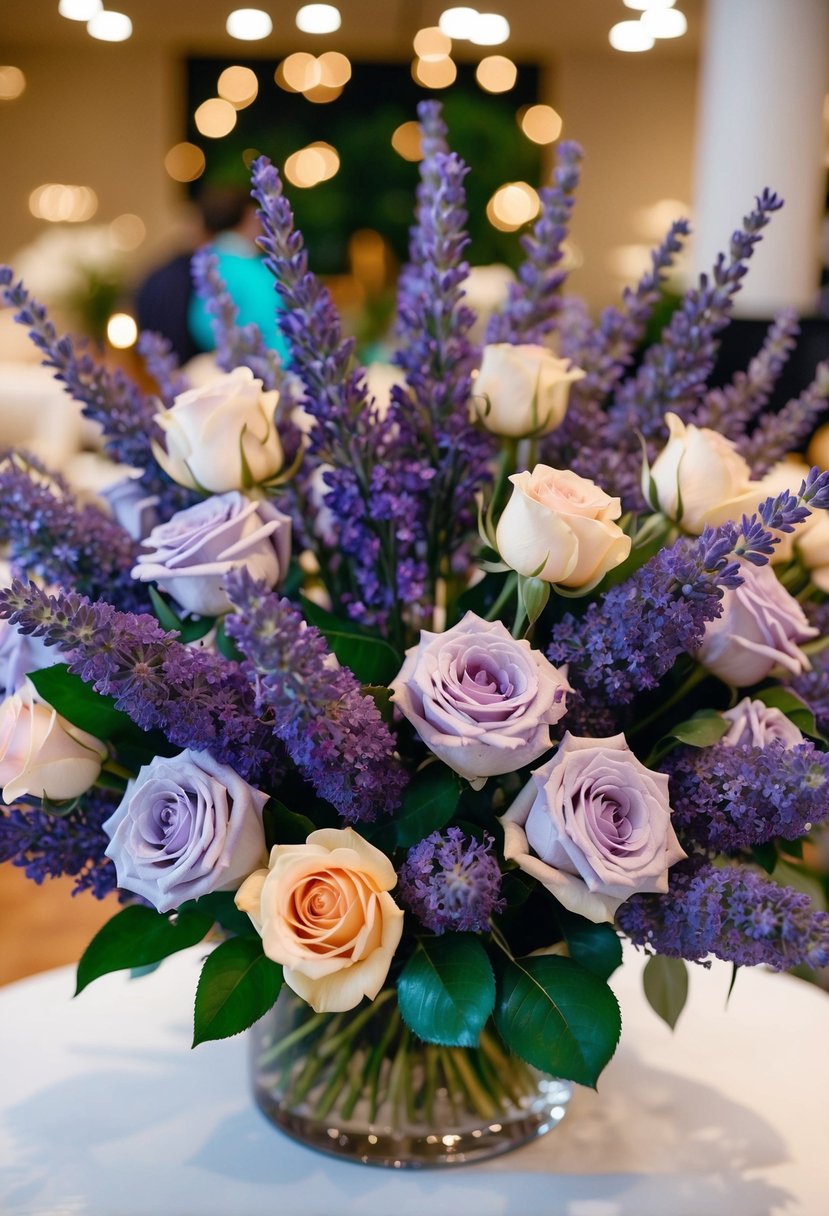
pixel 324 912
pixel 41 753
pixel 560 526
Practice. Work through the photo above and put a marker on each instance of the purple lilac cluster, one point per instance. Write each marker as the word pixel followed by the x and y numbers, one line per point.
pixel 162 364
pixel 126 416
pixel 629 639
pixel 236 345
pixel 534 300
pixel 332 732
pixel 813 686
pixel 375 491
pixel 197 698
pixel 731 912
pixel 451 881
pixel 730 409
pixel 779 432
pixel 730 798
pixel 46 845
pixel 54 539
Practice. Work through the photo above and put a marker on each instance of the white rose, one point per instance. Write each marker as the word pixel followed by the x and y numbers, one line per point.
pixel 560 526
pixel 41 753
pixel 522 390
pixel 222 436
pixel 700 478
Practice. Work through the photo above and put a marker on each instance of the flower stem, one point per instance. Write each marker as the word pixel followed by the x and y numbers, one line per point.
pixel 510 584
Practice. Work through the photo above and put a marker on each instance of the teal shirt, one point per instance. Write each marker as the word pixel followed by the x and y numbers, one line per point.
pixel 251 287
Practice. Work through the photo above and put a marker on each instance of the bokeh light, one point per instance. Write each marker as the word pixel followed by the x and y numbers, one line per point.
pixel 122 331
pixel 238 85
pixel 59 204
pixel 184 162
pixel 215 118
pixel 109 26
pixel 12 83
pixel 318 19
pixel 513 205
pixel 496 74
pixel 434 74
pixel 407 141
pixel 540 123
pixel 249 24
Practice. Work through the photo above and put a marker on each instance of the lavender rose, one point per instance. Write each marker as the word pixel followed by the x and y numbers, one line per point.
pixel 191 553
pixel 186 826
pixel 480 700
pixel 131 506
pixel 593 825
pixel 754 724
pixel 759 629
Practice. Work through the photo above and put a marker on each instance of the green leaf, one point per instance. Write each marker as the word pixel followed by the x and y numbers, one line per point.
pixel 136 937
pixel 704 729
pixel 557 1016
pixel 765 855
pixel 220 906
pixel 372 659
pixel 167 618
pixel 283 826
pixel 79 703
pixel 665 981
pixel 596 947
pixel 225 645
pixel 790 704
pixel 381 697
pixel 801 879
pixel 428 804
pixel 446 991
pixel 237 985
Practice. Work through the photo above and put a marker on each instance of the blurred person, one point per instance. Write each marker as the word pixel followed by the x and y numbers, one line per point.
pixel 166 301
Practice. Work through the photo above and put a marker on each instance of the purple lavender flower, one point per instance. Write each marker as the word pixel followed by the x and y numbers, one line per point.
pixel 729 410
pixel 46 845
pixel 534 300
pixel 333 733
pixel 126 417
pixel 161 363
pixel 374 485
pixel 198 699
pixel 53 538
pixel 236 345
pixel 452 882
pixel 732 912
pixel 731 798
pixel 779 432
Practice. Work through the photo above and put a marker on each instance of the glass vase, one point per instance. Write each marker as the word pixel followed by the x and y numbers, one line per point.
pixel 361 1086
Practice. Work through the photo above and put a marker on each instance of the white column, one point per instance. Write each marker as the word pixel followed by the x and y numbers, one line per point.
pixel 763 76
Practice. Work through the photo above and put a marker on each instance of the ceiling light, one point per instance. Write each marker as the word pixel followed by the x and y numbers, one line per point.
pixel 630 36
pixel 664 22
pixel 496 74
pixel 12 83
pixel 79 10
pixel 318 19
pixel 109 27
pixel 215 118
pixel 238 85
pixel 458 22
pixel 490 29
pixel 248 24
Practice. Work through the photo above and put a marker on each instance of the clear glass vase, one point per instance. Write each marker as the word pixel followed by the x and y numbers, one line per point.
pixel 360 1085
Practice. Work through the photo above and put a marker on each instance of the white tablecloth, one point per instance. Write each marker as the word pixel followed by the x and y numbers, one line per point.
pixel 104 1109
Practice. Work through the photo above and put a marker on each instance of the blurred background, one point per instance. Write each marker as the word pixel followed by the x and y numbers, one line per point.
pixel 116 128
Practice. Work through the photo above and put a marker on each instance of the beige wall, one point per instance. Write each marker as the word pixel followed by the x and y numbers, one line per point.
pixel 634 116
pixel 106 115
pixel 103 117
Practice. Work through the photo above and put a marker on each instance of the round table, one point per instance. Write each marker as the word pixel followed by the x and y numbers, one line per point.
pixel 104 1109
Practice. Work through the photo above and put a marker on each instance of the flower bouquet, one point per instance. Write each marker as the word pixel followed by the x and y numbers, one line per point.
pixel 411 708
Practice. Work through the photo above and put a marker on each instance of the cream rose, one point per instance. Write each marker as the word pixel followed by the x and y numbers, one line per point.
pixel 700 478
pixel 222 436
pixel 812 543
pixel 787 475
pixel 42 754
pixel 324 912
pixel 522 390
pixel 560 526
